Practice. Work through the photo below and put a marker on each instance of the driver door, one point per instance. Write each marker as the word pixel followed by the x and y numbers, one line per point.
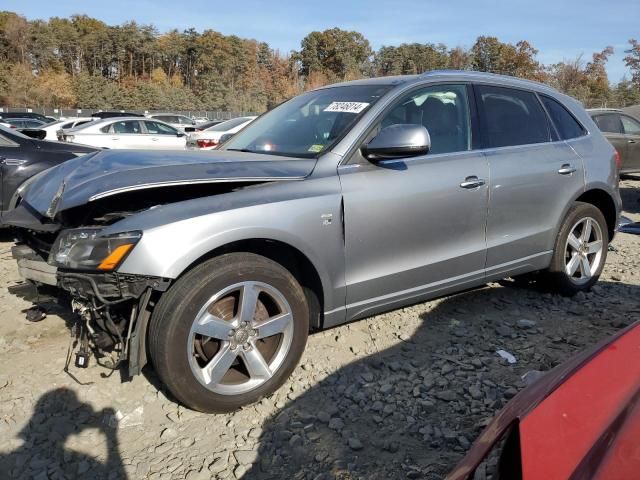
pixel 415 227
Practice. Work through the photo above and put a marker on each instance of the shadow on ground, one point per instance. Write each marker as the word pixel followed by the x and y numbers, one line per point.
pixel 57 416
pixel 412 410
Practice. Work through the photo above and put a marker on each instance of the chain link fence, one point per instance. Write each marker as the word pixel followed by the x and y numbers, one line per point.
pixel 87 112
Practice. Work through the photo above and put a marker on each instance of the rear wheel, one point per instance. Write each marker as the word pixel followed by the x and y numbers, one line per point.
pixel 229 332
pixel 580 250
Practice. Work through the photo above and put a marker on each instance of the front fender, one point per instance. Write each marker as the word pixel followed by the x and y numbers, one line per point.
pixel 310 224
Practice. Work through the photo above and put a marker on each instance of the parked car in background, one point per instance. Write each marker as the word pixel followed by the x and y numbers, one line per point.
pixel 126 132
pixel 338 204
pixel 52 128
pixel 114 114
pixel 24 122
pixel 209 138
pixel 200 120
pixel 178 122
pixel 22 157
pixel 623 131
pixel 37 116
pixel 202 126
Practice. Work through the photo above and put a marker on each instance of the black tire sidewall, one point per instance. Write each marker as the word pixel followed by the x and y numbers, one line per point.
pixel 179 307
pixel 560 280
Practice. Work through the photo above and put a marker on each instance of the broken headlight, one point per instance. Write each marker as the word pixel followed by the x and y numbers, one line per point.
pixel 84 249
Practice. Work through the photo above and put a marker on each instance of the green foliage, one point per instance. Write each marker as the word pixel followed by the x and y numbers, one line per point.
pixel 83 62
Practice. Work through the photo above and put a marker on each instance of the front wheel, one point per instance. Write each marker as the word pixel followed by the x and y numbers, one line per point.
pixel 580 250
pixel 229 332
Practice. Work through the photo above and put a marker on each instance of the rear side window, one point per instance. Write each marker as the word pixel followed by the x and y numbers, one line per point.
pixel 609 123
pixel 511 117
pixel 565 123
pixel 631 126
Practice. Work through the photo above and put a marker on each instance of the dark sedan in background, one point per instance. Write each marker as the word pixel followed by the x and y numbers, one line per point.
pixel 623 131
pixel 22 157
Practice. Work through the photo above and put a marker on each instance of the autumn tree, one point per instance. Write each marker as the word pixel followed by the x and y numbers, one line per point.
pixel 489 54
pixel 335 53
pixel 632 61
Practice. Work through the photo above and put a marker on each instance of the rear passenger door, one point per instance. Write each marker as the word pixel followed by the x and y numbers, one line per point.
pixel 632 135
pixel 126 134
pixel 534 175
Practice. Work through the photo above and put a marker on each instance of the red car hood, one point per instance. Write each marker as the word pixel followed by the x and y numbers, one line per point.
pixel 581 420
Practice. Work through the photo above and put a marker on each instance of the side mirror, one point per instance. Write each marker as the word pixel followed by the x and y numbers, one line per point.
pixel 398 141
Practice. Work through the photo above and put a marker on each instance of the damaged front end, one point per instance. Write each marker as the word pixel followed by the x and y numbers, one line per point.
pixel 70 225
pixel 112 309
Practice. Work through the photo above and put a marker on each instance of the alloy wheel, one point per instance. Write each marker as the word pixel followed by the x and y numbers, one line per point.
pixel 240 338
pixel 583 250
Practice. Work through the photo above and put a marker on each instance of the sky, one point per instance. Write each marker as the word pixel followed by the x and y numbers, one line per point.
pixel 559 29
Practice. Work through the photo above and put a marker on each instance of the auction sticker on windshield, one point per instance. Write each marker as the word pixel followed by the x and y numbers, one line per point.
pixel 347 107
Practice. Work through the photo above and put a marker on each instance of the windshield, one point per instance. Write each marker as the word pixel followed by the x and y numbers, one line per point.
pixel 228 125
pixel 308 124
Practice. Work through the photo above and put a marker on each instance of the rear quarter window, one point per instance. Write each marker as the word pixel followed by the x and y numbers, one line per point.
pixel 511 117
pixel 566 125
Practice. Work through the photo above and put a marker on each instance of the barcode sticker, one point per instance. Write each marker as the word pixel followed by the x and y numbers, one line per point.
pixel 347 107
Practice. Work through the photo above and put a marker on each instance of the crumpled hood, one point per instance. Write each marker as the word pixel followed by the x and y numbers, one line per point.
pixel 109 172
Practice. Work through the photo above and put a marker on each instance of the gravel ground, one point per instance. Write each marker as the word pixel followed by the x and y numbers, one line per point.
pixel 399 395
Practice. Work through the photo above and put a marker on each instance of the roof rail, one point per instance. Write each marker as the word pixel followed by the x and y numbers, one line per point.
pixel 480 75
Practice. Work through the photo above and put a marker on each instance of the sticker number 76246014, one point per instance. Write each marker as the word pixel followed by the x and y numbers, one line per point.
pixel 347 107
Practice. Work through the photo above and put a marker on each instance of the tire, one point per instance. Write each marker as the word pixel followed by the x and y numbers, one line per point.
pixel 557 276
pixel 190 363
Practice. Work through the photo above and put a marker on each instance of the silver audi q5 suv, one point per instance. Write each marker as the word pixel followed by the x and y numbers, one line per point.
pixel 340 203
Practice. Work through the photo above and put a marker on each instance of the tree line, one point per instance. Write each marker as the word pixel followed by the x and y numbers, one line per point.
pixel 83 62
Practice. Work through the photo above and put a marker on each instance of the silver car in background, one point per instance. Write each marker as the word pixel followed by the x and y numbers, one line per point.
pixel 341 203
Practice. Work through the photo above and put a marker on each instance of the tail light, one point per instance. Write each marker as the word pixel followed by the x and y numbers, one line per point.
pixel 618 160
pixel 206 142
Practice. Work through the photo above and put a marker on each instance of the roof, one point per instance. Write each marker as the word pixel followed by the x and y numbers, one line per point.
pixel 453 75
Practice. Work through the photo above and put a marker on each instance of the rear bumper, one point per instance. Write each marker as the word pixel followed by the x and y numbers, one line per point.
pixel 32 267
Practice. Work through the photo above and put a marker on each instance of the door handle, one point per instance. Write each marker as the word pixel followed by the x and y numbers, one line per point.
pixel 566 169
pixel 472 182
pixel 631 141
pixel 154 139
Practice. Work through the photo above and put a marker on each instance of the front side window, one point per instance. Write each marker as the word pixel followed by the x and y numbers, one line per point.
pixel 443 110
pixel 511 117
pixel 156 128
pixel 567 126
pixel 609 123
pixel 308 124
pixel 631 126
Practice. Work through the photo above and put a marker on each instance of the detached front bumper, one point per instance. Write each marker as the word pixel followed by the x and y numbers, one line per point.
pixel 33 267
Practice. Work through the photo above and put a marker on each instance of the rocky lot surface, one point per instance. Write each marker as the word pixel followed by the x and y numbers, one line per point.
pixel 399 395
